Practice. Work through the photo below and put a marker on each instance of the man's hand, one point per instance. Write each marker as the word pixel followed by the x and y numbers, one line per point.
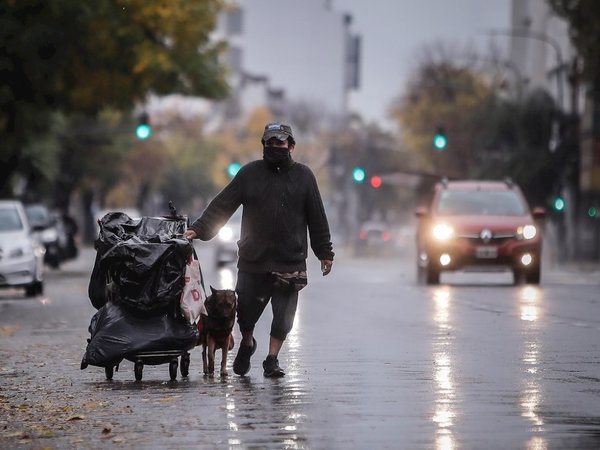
pixel 190 234
pixel 326 266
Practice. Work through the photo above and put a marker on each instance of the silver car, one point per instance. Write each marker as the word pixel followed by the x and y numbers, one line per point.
pixel 21 253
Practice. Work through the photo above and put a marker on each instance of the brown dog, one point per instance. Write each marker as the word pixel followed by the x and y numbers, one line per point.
pixel 218 325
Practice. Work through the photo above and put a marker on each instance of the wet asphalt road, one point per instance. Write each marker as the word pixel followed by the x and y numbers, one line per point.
pixel 374 361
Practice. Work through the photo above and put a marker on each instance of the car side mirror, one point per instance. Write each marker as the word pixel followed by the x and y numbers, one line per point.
pixel 539 212
pixel 421 212
pixel 38 228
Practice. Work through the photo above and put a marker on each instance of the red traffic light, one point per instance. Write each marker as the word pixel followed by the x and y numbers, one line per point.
pixel 376 181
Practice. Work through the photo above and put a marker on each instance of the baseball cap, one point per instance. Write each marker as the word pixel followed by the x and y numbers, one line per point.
pixel 277 130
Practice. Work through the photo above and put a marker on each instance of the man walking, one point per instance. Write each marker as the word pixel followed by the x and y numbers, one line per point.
pixel 281 202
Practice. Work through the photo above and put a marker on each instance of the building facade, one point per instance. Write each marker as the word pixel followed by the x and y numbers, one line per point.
pixel 282 52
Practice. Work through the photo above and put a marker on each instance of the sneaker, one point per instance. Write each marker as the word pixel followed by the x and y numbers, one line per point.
pixel 272 369
pixel 241 363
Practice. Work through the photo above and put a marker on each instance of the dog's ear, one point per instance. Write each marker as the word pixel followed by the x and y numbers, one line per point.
pixel 213 290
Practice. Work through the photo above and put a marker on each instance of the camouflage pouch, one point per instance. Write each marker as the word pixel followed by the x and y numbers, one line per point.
pixel 293 281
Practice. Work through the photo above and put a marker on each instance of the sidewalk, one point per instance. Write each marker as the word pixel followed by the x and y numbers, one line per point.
pixel 573 272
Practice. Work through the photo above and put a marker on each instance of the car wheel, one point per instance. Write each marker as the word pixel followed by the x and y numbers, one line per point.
pixel 533 276
pixel 33 289
pixel 54 262
pixel 519 277
pixel 433 275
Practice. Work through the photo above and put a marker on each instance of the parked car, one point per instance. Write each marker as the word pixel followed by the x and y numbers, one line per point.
pixel 374 238
pixel 226 247
pixel 51 232
pixel 479 225
pixel 21 253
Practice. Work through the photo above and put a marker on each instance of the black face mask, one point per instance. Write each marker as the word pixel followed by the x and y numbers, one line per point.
pixel 277 156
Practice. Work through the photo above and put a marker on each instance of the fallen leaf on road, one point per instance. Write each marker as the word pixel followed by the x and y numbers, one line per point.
pixel 14 434
pixel 76 417
pixel 8 330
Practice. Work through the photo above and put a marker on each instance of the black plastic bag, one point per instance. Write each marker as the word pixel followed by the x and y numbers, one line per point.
pixel 140 263
pixel 117 334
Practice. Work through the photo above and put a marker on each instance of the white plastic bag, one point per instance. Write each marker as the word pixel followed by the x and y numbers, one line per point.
pixel 192 297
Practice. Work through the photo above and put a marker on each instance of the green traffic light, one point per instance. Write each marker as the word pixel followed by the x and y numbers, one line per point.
pixel 440 141
pixel 233 169
pixel 143 131
pixel 358 174
pixel 559 204
pixel 592 212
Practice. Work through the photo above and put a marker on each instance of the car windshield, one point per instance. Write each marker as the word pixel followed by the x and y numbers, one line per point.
pixel 37 215
pixel 487 203
pixel 10 220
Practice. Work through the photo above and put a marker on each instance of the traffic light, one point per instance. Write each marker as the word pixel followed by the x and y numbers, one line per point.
pixel 592 212
pixel 439 139
pixel 358 174
pixel 376 181
pixel 143 129
pixel 233 169
pixel 558 203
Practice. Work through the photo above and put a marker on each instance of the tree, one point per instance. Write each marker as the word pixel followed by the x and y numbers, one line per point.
pixel 79 59
pixel 583 17
pixel 443 94
pixel 514 141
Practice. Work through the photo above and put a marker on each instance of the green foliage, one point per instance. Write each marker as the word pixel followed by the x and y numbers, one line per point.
pixel 442 94
pixel 515 138
pixel 488 136
pixel 190 174
pixel 81 58
pixel 583 17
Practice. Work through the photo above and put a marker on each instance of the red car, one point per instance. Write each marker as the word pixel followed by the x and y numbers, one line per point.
pixel 478 225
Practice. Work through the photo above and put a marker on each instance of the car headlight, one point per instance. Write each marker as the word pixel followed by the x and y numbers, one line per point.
pixel 226 233
pixel 49 235
pixel 443 232
pixel 527 232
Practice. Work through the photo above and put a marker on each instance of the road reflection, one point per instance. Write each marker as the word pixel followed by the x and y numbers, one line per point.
pixel 445 389
pixel 531 392
pixel 226 278
pixel 277 406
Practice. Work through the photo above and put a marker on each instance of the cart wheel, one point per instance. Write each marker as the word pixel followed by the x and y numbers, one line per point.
pixel 137 368
pixel 109 372
pixel 173 369
pixel 185 365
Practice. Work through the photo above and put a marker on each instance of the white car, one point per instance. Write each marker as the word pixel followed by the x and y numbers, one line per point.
pixel 226 248
pixel 21 253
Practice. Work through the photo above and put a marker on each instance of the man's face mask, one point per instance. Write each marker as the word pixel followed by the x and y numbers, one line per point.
pixel 276 156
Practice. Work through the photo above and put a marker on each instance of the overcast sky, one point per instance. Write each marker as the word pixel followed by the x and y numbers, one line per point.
pixel 393 32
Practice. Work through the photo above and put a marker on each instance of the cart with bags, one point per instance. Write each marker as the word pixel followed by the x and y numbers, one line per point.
pixel 142 285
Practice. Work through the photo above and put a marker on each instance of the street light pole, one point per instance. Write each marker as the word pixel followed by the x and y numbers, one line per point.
pixel 560 65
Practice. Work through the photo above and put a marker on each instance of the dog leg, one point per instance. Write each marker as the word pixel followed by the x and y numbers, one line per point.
pixel 204 361
pixel 224 352
pixel 211 356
